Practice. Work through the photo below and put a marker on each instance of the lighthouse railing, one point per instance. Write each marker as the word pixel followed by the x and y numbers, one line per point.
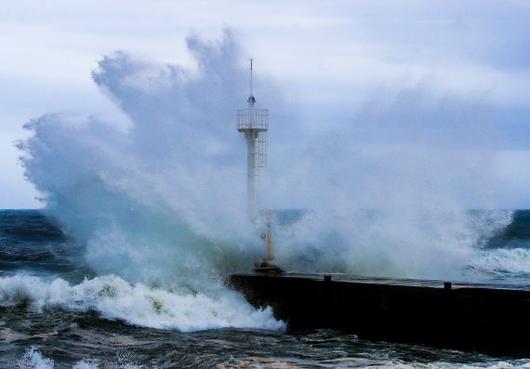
pixel 253 119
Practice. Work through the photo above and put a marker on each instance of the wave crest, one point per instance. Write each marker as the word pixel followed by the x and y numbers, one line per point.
pixel 137 304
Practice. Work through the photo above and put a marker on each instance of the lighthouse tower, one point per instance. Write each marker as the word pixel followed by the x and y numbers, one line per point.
pixel 254 123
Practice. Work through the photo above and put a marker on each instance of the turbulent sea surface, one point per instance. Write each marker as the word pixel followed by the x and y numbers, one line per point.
pixel 56 312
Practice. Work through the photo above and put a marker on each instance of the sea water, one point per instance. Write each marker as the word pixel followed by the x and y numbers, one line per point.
pixel 57 312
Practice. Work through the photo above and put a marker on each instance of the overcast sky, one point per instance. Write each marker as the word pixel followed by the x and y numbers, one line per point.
pixel 328 53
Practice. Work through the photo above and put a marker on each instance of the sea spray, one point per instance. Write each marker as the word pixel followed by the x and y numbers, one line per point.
pixel 161 202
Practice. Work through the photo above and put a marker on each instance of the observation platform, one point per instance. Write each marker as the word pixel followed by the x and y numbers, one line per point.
pixel 486 318
pixel 252 119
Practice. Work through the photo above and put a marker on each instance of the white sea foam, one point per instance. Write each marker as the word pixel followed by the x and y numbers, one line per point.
pixel 84 364
pixel 512 263
pixel 137 304
pixel 33 359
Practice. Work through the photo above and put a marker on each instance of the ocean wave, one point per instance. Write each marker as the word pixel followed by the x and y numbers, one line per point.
pixel 114 298
pixel 512 263
pixel 33 359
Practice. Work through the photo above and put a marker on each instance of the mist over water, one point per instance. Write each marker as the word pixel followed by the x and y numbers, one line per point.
pixel 158 201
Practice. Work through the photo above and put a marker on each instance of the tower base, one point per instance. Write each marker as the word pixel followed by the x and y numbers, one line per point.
pixel 267 268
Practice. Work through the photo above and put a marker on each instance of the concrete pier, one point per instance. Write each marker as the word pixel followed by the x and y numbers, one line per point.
pixel 486 318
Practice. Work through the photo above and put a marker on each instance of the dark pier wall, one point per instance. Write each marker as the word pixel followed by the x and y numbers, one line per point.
pixel 468 317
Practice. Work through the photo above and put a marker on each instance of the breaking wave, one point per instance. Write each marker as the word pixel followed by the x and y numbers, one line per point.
pixel 153 199
pixel 156 199
pixel 137 304
pixel 506 263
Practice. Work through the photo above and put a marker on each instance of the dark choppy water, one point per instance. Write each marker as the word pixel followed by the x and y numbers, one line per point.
pixel 55 313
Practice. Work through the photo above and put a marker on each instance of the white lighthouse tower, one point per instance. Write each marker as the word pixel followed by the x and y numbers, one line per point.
pixel 254 123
